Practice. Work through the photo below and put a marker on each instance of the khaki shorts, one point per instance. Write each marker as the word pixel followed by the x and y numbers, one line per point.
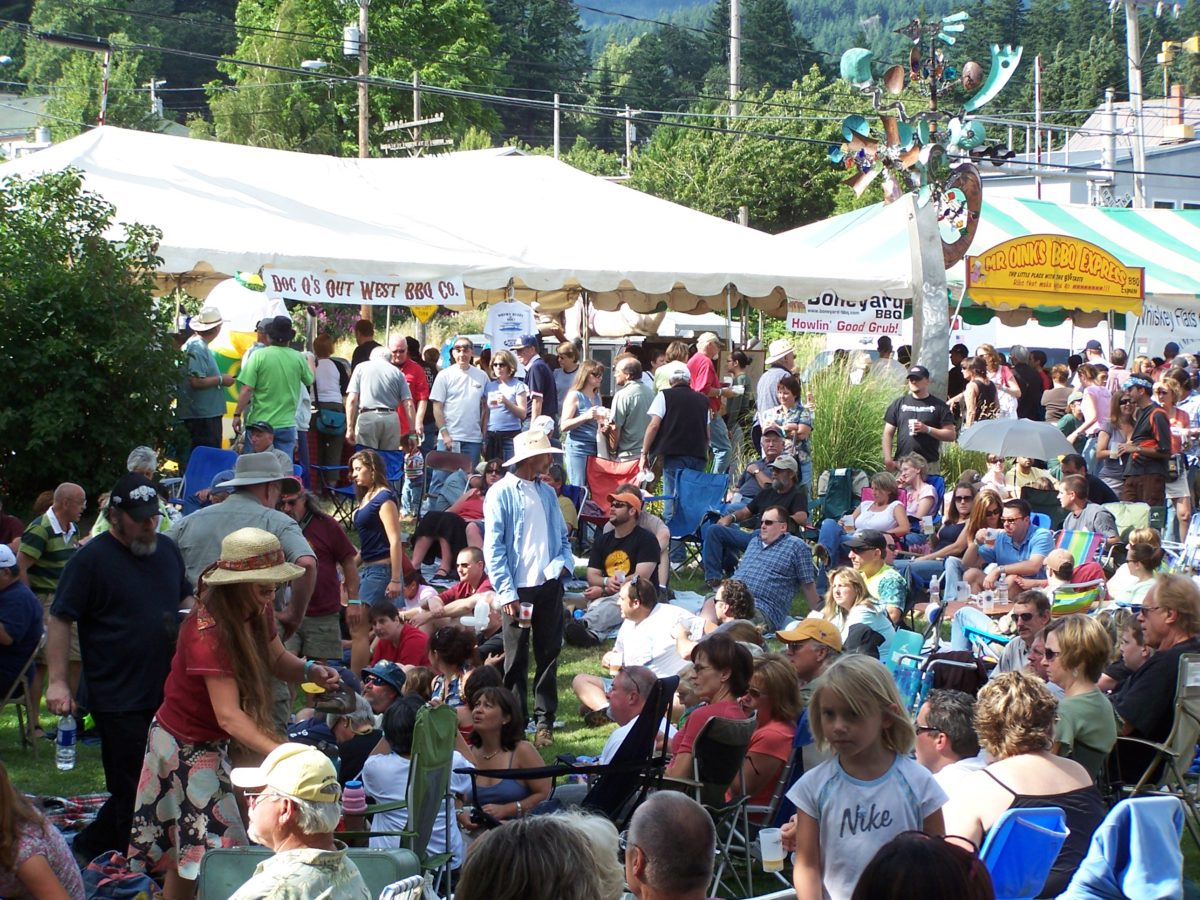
pixel 318 638
pixel 73 651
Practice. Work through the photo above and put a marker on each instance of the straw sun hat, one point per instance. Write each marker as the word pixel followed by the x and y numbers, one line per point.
pixel 251 555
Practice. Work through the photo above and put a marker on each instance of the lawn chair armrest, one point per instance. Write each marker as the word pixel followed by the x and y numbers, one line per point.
pixel 1161 748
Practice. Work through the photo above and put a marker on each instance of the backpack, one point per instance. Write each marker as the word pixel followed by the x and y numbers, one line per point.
pixel 840 491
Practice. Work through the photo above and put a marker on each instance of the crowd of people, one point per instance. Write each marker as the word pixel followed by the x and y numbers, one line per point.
pixel 249 656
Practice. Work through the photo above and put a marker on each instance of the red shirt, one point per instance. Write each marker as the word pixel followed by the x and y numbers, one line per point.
pixel 418 386
pixel 411 650
pixel 774 740
pixel 685 737
pixel 462 589
pixel 330 546
pixel 11 528
pixel 186 710
pixel 704 378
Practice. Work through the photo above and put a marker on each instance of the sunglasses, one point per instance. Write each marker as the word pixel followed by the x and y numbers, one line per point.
pixel 770 521
pixel 619 504
pixel 288 501
pixel 1126 402
pixel 1139 610
pixel 963 498
pixel 1011 520
pixel 501 365
pixel 1050 654
pixel 1023 617
pixel 927 729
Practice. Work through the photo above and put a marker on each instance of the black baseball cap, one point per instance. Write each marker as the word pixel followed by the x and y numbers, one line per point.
pixel 135 495
pixel 916 373
pixel 867 539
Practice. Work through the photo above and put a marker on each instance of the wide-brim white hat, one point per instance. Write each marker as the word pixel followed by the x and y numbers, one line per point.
pixel 530 443
pixel 261 468
pixel 208 319
pixel 780 347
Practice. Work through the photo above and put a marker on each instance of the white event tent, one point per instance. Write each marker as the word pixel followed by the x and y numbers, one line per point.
pixel 546 229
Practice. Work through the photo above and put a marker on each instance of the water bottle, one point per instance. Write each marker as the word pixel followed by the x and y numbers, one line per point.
pixel 64 744
pixel 1002 590
pixel 935 592
pixel 354 798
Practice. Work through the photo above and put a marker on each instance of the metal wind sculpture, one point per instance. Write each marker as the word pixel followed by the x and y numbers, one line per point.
pixel 911 153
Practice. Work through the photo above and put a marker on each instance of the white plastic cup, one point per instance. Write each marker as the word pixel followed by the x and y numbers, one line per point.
pixel 848 524
pixel 525 615
pixel 494 399
pixel 770 842
pixel 912 426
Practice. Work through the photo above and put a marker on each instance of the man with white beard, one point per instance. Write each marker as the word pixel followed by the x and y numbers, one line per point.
pixel 123 589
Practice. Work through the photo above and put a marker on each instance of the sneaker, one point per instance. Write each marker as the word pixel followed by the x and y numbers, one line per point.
pixel 577 634
pixel 820 555
pixel 543 738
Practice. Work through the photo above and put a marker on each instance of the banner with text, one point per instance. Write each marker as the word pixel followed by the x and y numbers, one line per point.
pixel 828 313
pixel 376 290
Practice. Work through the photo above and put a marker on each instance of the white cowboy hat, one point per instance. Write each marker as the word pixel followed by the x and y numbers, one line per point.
pixel 780 347
pixel 251 555
pixel 208 319
pixel 530 443
pixel 261 468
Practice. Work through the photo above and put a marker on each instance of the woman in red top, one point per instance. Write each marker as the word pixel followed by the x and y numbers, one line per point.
pixel 457 527
pixel 722 668
pixel 774 698
pixel 219 688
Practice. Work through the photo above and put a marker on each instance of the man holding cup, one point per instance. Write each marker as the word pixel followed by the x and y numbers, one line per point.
pixel 527 551
pixel 917 423
pixel 1020 549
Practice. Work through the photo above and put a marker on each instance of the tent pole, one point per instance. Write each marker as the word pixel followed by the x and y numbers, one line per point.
pixel 931 334
pixel 729 313
pixel 387 322
pixel 585 326
pixel 1111 317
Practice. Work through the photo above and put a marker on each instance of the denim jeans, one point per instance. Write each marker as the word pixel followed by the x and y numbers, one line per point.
pixel 969 615
pixel 672 465
pixel 575 459
pixel 923 572
pixel 830 536
pixel 471 448
pixel 372 583
pixel 413 493
pixel 285 440
pixel 722 449
pixel 721 545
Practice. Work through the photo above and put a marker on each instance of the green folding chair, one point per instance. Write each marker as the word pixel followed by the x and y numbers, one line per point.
pixel 222 872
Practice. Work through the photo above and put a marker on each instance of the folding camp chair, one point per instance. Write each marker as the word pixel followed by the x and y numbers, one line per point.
pixel 749 821
pixel 1021 848
pixel 1039 520
pixel 1076 598
pixel 603 476
pixel 618 786
pixel 699 493
pixel 717 756
pixel 983 644
pixel 20 695
pixel 345 496
pixel 203 464
pixel 434 734
pixel 223 871
pixel 1046 503
pixel 1134 853
pixel 1084 546
pixel 1173 756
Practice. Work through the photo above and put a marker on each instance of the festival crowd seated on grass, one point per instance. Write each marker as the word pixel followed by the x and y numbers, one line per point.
pixel 742 627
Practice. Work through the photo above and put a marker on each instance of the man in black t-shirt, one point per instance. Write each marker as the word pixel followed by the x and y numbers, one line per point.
pixel 1149 447
pixel 1029 404
pixel 723 540
pixel 124 590
pixel 626 551
pixel 918 423
pixel 1145 702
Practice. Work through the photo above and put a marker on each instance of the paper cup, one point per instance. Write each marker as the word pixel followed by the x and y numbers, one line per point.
pixel 525 615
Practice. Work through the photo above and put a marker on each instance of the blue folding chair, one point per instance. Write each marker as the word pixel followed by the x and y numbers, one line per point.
pixel 345 497
pixel 203 464
pixel 698 494
pixel 1021 848
pixel 1039 520
pixel 981 642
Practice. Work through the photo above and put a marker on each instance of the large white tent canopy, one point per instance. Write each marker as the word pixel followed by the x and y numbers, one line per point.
pixel 547 229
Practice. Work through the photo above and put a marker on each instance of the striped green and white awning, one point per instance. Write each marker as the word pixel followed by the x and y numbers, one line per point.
pixel 1165 242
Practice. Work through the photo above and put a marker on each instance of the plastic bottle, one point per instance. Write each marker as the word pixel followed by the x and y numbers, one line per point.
pixel 935 592
pixel 354 798
pixel 64 744
pixel 1002 590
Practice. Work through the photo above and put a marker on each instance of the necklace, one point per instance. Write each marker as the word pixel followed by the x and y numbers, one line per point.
pixel 491 755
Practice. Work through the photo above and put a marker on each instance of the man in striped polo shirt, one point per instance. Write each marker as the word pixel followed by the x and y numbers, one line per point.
pixel 48 543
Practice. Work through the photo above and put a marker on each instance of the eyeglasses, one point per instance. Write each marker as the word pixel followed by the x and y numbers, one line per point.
pixel 288 501
pixel 623 846
pixel 1023 617
pixel 927 729
pixel 963 498
pixel 1011 520
pixel 1140 610
pixel 1050 654
pixel 790 647
pixel 254 798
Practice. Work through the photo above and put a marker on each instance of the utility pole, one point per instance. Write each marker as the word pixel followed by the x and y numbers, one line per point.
pixel 1133 52
pixel 364 113
pixel 557 116
pixel 735 79
pixel 156 106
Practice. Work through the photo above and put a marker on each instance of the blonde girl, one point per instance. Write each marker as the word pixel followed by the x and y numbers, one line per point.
pixel 868 793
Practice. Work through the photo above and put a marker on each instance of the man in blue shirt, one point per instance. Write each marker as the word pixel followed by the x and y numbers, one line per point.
pixel 1020 550
pixel 20 620
pixel 775 566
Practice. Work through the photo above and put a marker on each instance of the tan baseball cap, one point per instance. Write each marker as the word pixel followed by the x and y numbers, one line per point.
pixel 293 769
pixel 813 630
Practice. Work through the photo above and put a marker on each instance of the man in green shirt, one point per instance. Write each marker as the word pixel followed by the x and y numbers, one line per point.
pixel 886 586
pixel 271 383
pixel 47 545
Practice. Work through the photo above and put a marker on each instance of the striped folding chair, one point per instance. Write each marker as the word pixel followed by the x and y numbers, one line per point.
pixel 1084 546
pixel 1076 598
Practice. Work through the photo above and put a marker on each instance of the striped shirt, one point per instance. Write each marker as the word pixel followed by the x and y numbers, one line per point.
pixel 50 548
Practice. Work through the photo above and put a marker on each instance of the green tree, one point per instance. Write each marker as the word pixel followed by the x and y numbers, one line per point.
pixel 780 170
pixel 544 41
pixel 773 50
pixel 86 355
pixel 450 42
